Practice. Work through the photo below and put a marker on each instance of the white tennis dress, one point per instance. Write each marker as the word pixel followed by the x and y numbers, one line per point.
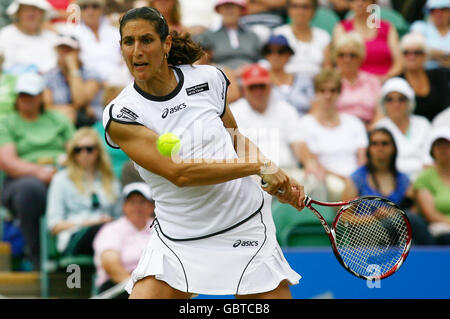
pixel 215 239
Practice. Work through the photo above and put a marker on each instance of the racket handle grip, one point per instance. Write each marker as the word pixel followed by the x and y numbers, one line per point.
pixel 265 184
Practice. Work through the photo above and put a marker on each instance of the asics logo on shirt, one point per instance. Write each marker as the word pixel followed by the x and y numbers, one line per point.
pixel 172 110
pixel 245 243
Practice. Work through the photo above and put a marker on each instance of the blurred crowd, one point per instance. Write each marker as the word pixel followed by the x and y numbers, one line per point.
pixel 357 92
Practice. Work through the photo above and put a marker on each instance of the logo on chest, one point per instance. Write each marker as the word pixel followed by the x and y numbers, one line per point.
pixel 197 88
pixel 172 110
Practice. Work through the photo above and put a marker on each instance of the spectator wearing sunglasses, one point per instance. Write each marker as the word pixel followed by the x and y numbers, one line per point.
pixel 295 88
pixel 32 141
pixel 380 177
pixel 436 32
pixel 430 86
pixel 82 197
pixel 381 39
pixel 360 89
pixel 410 131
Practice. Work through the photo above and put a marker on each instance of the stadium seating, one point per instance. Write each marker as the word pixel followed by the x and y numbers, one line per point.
pixel 295 229
pixel 325 19
pixel 51 259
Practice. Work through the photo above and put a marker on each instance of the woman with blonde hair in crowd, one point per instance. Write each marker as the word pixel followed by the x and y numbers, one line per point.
pixel 83 196
pixel 360 89
pixel 334 143
pixel 430 85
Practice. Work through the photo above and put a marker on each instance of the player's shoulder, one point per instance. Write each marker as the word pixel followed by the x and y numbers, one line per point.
pixel 199 69
pixel 125 107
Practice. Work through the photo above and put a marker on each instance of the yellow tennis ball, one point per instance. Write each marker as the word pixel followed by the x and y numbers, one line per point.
pixel 168 144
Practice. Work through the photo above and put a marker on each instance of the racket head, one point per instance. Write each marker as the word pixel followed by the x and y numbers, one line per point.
pixel 371 237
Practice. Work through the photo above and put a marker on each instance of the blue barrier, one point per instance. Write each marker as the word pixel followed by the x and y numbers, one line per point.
pixel 424 275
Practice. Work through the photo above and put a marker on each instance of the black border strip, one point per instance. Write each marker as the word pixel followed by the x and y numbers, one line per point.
pixel 167 97
pixel 226 92
pixel 218 232
pixel 251 259
pixel 181 263
pixel 117 121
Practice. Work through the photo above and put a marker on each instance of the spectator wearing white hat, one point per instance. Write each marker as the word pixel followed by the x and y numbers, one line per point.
pixel 25 42
pixel 431 86
pixel 32 140
pixel 410 131
pixel 436 32
pixel 231 46
pixel 433 188
pixel 71 88
pixel 119 244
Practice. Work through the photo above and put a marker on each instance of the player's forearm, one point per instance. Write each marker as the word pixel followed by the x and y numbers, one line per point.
pixel 207 173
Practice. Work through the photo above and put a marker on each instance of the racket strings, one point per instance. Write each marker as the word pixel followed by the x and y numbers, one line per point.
pixel 371 237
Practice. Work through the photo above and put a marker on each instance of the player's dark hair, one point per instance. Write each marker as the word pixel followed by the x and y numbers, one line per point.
pixel 183 51
pixel 392 160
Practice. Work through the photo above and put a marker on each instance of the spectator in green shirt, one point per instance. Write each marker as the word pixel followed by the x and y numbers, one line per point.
pixel 32 146
pixel 433 187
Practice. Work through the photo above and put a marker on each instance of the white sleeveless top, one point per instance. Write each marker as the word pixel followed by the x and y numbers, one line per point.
pixel 193 112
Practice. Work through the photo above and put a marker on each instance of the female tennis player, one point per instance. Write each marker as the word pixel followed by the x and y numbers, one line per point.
pixel 213 232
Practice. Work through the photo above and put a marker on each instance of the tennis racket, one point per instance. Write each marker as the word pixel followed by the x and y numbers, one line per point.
pixel 370 236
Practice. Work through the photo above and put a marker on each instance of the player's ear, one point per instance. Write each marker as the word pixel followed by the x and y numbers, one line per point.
pixel 167 44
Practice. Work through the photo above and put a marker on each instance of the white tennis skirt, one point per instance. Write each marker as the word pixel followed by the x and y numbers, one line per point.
pixel 243 260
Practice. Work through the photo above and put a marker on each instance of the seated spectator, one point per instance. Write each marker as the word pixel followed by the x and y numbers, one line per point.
pixel 198 15
pixel 231 45
pixel 26 42
pixel 71 87
pixel 171 11
pixel 383 56
pixel 99 40
pixel 380 177
pixel 436 32
pixel 295 88
pixel 262 16
pixel 431 86
pixel 441 119
pixel 32 143
pixel 271 124
pixel 360 90
pixel 432 187
pixel 82 197
pixel 119 244
pixel 310 44
pixel 334 144
pixel 411 132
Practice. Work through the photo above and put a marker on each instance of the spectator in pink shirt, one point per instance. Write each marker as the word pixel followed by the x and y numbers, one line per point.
pixel 119 244
pixel 360 90
pixel 383 57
